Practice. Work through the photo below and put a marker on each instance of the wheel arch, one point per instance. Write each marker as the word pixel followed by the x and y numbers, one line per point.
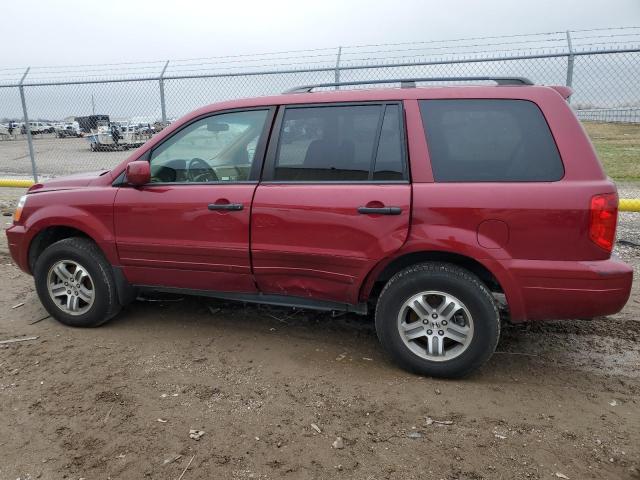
pixel 52 220
pixel 50 235
pixel 379 276
pixel 54 233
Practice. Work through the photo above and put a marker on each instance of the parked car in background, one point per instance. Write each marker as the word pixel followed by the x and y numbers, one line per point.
pixel 9 129
pixel 40 127
pixel 70 129
pixel 444 210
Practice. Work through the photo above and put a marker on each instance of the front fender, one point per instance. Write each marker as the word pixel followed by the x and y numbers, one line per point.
pixel 88 210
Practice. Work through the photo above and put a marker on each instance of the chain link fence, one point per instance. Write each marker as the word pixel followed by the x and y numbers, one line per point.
pixel 68 119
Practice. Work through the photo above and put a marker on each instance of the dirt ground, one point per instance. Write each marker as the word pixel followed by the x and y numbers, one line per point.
pixel 557 400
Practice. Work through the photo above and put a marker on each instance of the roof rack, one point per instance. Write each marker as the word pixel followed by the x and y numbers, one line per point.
pixel 411 82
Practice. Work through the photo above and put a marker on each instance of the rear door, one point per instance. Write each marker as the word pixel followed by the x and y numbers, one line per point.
pixel 334 200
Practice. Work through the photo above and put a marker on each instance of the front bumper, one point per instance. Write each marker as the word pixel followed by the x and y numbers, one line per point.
pixel 18 241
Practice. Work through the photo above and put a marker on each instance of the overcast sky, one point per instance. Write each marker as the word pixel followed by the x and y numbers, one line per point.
pixel 67 32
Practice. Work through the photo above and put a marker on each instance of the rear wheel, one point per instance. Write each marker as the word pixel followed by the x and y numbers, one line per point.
pixel 75 283
pixel 437 319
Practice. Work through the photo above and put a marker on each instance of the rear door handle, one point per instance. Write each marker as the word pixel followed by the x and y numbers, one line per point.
pixel 380 210
pixel 226 206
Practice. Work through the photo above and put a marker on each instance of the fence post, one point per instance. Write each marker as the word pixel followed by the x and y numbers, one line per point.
pixel 336 74
pixel 570 58
pixel 163 106
pixel 27 127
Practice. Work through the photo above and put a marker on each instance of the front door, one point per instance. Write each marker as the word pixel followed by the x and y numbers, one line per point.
pixel 334 200
pixel 189 227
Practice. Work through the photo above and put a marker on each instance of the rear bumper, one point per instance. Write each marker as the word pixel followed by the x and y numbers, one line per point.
pixel 555 290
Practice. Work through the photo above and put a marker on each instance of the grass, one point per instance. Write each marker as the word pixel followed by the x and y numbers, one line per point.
pixel 618 147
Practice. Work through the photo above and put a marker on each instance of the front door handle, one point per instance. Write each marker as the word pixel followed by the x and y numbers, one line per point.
pixel 226 206
pixel 380 210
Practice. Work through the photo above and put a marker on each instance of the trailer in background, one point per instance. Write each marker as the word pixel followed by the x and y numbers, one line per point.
pixel 91 122
pixel 116 137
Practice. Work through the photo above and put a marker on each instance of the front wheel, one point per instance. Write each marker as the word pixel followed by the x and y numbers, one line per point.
pixel 75 283
pixel 437 319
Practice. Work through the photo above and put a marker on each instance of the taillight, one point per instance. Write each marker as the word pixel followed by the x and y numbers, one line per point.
pixel 603 219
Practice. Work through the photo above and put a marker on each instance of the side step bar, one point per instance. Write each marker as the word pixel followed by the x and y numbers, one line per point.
pixel 267 299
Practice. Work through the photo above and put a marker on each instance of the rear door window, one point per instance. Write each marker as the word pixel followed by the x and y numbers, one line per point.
pixel 340 143
pixel 479 140
pixel 390 155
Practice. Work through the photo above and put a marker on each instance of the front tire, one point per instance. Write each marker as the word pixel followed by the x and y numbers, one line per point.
pixel 75 283
pixel 437 319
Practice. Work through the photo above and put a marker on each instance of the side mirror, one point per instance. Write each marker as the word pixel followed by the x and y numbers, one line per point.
pixel 138 173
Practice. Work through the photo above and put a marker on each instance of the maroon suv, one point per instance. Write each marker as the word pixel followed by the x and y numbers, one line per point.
pixel 443 209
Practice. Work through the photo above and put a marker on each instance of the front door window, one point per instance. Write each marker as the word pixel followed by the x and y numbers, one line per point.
pixel 219 148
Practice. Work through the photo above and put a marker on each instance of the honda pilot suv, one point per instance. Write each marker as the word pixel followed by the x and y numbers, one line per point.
pixel 443 209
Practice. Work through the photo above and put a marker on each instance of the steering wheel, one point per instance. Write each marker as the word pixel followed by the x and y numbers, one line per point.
pixel 200 171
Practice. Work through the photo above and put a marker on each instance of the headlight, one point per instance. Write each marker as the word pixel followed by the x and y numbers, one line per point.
pixel 18 212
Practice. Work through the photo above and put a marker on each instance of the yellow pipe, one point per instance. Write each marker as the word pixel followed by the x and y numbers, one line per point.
pixel 629 205
pixel 14 182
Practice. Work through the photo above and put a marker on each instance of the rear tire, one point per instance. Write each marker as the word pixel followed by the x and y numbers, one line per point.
pixel 75 283
pixel 437 319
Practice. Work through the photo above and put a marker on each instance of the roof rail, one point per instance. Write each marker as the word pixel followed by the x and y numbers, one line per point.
pixel 411 82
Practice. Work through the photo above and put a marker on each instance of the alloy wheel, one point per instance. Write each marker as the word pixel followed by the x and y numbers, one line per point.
pixel 435 325
pixel 71 287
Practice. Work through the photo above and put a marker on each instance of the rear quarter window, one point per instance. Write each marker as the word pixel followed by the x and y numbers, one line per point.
pixel 479 140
